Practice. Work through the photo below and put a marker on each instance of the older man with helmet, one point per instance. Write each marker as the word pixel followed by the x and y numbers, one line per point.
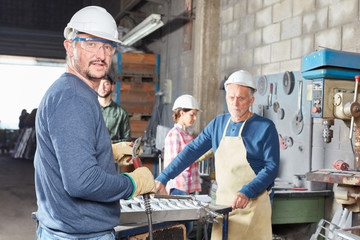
pixel 77 187
pixel 246 148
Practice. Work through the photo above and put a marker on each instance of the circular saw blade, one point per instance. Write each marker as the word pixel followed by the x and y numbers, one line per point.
pixel 262 85
pixel 288 82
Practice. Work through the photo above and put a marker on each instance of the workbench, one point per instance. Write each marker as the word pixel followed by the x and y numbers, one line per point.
pixel 133 220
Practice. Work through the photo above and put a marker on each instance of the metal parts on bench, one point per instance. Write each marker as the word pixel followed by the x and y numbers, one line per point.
pixel 167 208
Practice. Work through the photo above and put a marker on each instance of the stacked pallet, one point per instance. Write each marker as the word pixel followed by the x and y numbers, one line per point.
pixel 138 79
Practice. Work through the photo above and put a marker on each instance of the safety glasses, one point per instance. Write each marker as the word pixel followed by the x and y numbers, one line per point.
pixel 94 45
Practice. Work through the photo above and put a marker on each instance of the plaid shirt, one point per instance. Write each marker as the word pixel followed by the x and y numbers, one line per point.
pixel 175 141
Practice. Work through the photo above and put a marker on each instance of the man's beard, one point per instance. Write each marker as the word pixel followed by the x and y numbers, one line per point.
pixel 87 71
pixel 106 95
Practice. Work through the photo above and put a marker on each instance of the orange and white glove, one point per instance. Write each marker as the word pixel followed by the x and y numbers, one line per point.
pixel 123 152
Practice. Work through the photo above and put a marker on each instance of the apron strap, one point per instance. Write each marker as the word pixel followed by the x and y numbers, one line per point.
pixel 242 126
pixel 227 124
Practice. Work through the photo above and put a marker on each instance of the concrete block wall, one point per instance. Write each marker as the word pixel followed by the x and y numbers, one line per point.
pixel 272 36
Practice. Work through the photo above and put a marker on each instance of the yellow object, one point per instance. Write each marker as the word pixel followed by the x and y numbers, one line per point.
pixel 123 153
pixel 232 172
pixel 206 155
pixel 143 181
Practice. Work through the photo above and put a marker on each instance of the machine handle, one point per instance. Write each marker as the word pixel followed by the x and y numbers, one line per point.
pixel 357 79
pixel 137 162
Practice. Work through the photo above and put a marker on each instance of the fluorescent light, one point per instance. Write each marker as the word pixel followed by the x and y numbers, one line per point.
pixel 149 25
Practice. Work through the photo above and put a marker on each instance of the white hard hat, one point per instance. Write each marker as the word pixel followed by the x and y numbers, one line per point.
pixel 242 78
pixel 93 20
pixel 186 101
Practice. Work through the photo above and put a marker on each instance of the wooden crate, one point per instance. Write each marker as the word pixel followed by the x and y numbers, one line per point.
pixel 137 128
pixel 137 97
pixel 135 64
pixel 138 78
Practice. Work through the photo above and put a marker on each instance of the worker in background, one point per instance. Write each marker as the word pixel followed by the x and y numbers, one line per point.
pixel 116 118
pixel 22 118
pixel 187 182
pixel 246 148
pixel 77 187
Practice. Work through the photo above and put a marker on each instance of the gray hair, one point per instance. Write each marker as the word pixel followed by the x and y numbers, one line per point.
pixel 251 92
pixel 71 35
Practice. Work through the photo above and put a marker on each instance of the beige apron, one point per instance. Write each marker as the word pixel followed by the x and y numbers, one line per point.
pixel 232 172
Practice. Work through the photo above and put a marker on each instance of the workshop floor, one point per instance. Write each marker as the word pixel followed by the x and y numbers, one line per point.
pixel 17 198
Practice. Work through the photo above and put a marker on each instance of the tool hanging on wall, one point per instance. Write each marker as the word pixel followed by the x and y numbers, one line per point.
pixel 286 142
pixel 281 113
pixel 297 122
pixel 288 82
pixel 270 96
pixel 276 104
pixel 262 85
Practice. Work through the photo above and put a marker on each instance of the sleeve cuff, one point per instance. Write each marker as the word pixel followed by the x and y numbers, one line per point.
pixel 132 180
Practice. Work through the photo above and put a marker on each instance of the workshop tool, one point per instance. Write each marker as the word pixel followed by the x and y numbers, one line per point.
pixel 354 109
pixel 262 85
pixel 288 82
pixel 137 163
pixel 341 165
pixel 276 106
pixel 270 95
pixel 281 113
pixel 297 122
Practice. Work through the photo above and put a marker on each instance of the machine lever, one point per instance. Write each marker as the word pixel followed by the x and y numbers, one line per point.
pixel 357 79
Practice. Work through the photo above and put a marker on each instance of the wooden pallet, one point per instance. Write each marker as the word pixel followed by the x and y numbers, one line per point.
pixel 138 79
pixel 138 64
pixel 137 128
pixel 137 97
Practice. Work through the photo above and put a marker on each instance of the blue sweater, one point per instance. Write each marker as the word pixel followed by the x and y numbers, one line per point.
pixel 77 188
pixel 261 141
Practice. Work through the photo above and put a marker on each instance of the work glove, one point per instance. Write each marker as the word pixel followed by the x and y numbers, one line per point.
pixel 123 153
pixel 143 181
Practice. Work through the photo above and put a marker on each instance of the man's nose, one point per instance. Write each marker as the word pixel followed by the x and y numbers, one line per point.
pixel 235 101
pixel 100 54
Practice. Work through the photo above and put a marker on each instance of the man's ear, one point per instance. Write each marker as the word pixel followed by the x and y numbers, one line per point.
pixel 69 48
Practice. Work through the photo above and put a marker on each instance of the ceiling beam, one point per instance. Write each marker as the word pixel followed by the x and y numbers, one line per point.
pixel 125 6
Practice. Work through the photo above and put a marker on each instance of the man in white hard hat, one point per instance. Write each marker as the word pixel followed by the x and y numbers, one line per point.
pixel 247 152
pixel 77 187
